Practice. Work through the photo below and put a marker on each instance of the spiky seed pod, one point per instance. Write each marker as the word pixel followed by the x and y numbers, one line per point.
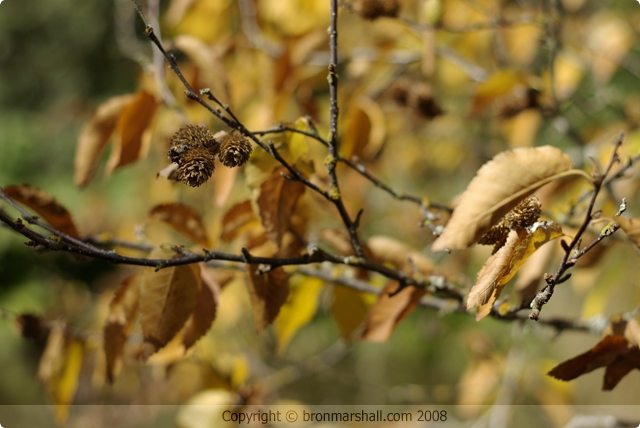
pixel 520 217
pixel 524 214
pixel 196 167
pixel 189 137
pixel 235 150
pixel 374 9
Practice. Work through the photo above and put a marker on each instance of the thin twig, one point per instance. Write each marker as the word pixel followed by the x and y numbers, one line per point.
pixel 569 259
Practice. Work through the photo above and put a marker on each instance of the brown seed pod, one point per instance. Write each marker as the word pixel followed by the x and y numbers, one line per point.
pixel 521 216
pixel 235 150
pixel 420 99
pixel 196 167
pixel 187 138
pixel 374 9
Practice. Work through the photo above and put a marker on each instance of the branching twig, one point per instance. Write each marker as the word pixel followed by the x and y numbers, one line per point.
pixel 569 259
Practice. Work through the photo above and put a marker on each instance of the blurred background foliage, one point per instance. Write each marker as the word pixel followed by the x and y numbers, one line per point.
pixel 494 89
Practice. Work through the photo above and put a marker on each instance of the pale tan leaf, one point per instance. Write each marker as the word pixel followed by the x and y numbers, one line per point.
pixel 94 136
pixel 268 291
pixel 52 358
pixel 45 205
pixel 385 315
pixel 498 187
pixel 123 310
pixel 205 311
pixel 223 181
pixel 277 200
pixel 132 131
pixel 632 332
pixel 167 299
pixel 184 219
pixel 349 310
pixel 494 269
pixel 384 249
pixel 299 309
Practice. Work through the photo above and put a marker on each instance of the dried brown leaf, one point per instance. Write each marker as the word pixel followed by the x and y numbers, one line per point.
pixel 268 291
pixel 205 311
pixel 603 354
pixel 45 205
pixel 132 131
pixel 277 200
pixel 184 219
pixel 620 367
pixel 238 220
pixel 499 186
pixel 383 317
pixel 123 310
pixel 95 135
pixel 167 299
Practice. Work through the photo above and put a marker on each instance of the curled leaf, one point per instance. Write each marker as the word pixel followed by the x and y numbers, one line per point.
pixel 45 205
pixel 603 354
pixel 499 186
pixel 95 135
pixel 132 131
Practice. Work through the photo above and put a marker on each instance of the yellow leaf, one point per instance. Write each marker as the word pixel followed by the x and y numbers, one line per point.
pixel 132 131
pixel 298 145
pixel 167 299
pixel 348 310
pixel 95 135
pixel 299 309
pixel 365 129
pixel 498 85
pixel 184 219
pixel 499 186
pixel 45 205
pixel 66 386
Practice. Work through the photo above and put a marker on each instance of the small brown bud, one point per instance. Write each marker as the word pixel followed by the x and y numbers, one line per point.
pixel 374 9
pixel 235 150
pixel 196 167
